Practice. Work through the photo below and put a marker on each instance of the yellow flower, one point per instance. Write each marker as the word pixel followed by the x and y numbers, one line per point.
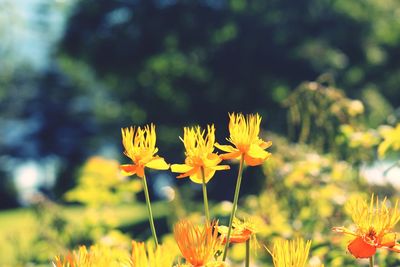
pixel 244 137
pixel 199 155
pixel 374 227
pixel 197 244
pixel 147 256
pixel 140 147
pixel 391 140
pixel 290 253
pixel 241 230
pixel 96 256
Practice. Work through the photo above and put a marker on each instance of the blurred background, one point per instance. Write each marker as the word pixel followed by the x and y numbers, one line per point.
pixel 323 74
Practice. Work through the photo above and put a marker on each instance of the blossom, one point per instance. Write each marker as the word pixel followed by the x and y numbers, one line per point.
pixel 241 231
pixel 142 255
pixel 244 136
pixel 96 256
pixel 290 253
pixel 140 147
pixel 199 155
pixel 391 140
pixel 374 224
pixel 197 244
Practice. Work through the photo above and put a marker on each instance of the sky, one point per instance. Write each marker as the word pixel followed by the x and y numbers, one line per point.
pixel 30 29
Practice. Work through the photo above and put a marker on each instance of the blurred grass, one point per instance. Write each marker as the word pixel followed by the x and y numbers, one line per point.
pixel 18 226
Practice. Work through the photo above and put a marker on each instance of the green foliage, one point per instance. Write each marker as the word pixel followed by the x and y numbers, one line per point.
pixel 316 111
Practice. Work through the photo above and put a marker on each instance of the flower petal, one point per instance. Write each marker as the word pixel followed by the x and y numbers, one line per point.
pixel 241 237
pixel 388 240
pixel 395 248
pixel 256 155
pixel 208 173
pixel 197 177
pixel 220 167
pixel 232 155
pixel 265 145
pixel 226 148
pixel 223 230
pixel 211 160
pixel 256 151
pixel 157 164
pixel 128 169
pixel 189 173
pixel 360 249
pixel 140 171
pixel 343 230
pixel 180 168
pixel 252 161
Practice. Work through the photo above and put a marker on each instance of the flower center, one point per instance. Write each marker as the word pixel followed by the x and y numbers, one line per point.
pixel 371 237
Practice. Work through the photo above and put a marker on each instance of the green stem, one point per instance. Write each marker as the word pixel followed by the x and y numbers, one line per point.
pixel 151 220
pixel 371 261
pixel 247 263
pixel 207 212
pixel 235 201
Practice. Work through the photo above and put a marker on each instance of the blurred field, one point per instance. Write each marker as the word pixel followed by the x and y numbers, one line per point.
pixel 73 73
pixel 18 227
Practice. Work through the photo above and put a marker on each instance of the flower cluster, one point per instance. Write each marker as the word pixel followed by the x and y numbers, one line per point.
pixel 201 245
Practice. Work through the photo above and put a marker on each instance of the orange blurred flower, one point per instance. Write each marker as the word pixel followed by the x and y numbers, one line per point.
pixel 244 137
pixel 197 244
pixel 140 147
pixel 199 155
pixel 374 227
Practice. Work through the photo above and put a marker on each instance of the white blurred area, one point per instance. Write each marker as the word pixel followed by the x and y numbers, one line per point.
pixel 33 178
pixel 382 173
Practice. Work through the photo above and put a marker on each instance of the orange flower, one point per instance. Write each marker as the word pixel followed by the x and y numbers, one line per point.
pixel 241 231
pixel 244 133
pixel 199 155
pixel 140 147
pixel 374 227
pixel 196 244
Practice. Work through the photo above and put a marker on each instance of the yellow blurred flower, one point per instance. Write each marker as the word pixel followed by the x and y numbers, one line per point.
pixel 244 136
pixel 140 147
pixel 391 139
pixel 199 155
pixel 355 107
pixel 142 255
pixel 197 244
pixel 100 183
pixel 374 227
pixel 359 138
pixel 96 256
pixel 290 253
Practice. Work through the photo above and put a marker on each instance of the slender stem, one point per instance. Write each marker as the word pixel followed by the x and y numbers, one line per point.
pixel 371 261
pixel 235 201
pixel 151 220
pixel 207 212
pixel 247 263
